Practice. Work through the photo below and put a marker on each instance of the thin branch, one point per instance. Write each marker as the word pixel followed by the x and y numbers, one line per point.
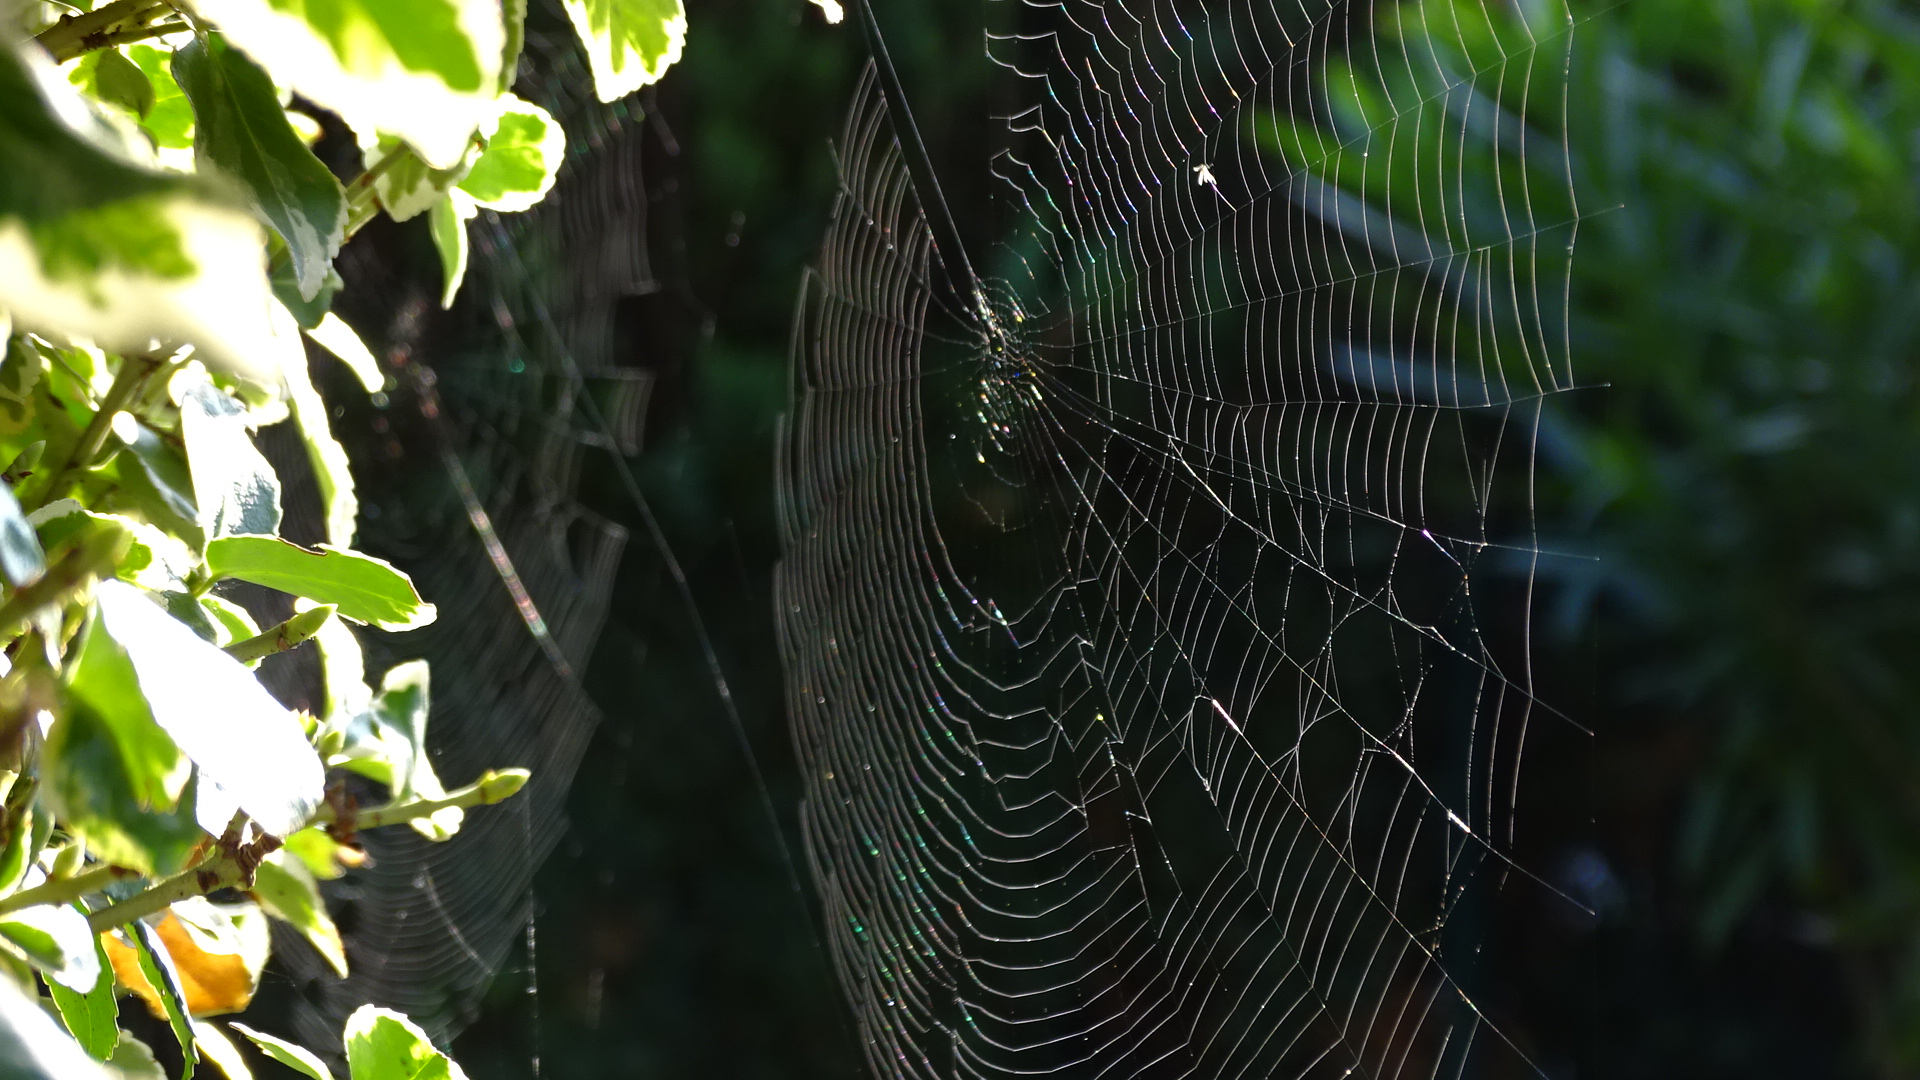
pixel 89 30
pixel 126 384
pixel 67 890
pixel 225 870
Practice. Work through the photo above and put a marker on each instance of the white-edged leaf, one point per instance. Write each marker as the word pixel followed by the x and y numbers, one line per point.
pixel 295 1057
pixel 243 741
pixel 331 471
pixel 55 939
pixel 447 222
pixel 522 156
pixel 335 336
pixel 423 70
pixel 287 890
pixel 32 1046
pixel 234 487
pixel 384 1045
pixel 95 245
pixel 629 43
pixel 218 1051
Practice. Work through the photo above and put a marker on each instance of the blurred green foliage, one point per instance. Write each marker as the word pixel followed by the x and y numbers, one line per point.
pixel 1744 289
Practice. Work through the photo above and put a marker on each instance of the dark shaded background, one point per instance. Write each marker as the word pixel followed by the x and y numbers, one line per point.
pixel 1743 466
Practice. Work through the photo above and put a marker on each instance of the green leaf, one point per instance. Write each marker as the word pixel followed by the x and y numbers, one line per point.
pixel 384 1045
pixel 335 336
pixel 251 752
pixel 522 156
pixel 298 1058
pixel 233 485
pixel 170 120
pixel 447 223
pixel 629 43
pixel 307 312
pixel 153 560
pixel 513 19
pixel 155 483
pixel 92 1017
pixel 287 890
pixel 26 831
pixel 364 588
pixel 105 687
pixel 242 131
pixel 157 965
pixel 388 742
pixel 423 70
pixel 134 1060
pixel 408 185
pixel 232 619
pixel 331 471
pixel 96 792
pixel 32 1046
pixel 95 245
pixel 55 938
pixel 21 559
pixel 110 76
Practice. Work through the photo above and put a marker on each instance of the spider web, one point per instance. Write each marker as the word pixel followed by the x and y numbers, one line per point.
pixel 1157 590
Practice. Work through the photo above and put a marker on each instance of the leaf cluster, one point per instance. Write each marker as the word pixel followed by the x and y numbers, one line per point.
pixel 167 247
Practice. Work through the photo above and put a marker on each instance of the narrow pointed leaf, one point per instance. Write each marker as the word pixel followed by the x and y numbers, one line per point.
pixel 295 1057
pixel 157 966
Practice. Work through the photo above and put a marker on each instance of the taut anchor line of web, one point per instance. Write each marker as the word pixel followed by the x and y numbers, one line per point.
pixel 1048 484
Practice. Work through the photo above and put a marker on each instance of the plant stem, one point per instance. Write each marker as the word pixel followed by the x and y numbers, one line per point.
pixel 216 873
pixel 67 890
pixel 126 383
pixel 287 635
pixel 223 872
pixel 491 788
pixel 89 30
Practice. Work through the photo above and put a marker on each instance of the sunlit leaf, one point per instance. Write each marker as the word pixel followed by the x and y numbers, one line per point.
pixel 97 791
pixel 32 1046
pixel 21 559
pixel 522 156
pixel 287 890
pixel 108 75
pixel 153 560
pixel 94 244
pixel 331 471
pixel 92 1017
pixel 447 223
pixel 243 741
pixel 335 336
pixel 162 978
pixel 243 132
pixel 364 588
pixel 232 619
pixel 214 976
pixel 388 743
pixel 407 185
pixel 170 121
pixel 218 1051
pixel 234 487
pixel 55 938
pixel 384 1045
pixel 422 70
pixel 629 43
pixel 319 852
pixel 134 1060
pixel 298 1058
